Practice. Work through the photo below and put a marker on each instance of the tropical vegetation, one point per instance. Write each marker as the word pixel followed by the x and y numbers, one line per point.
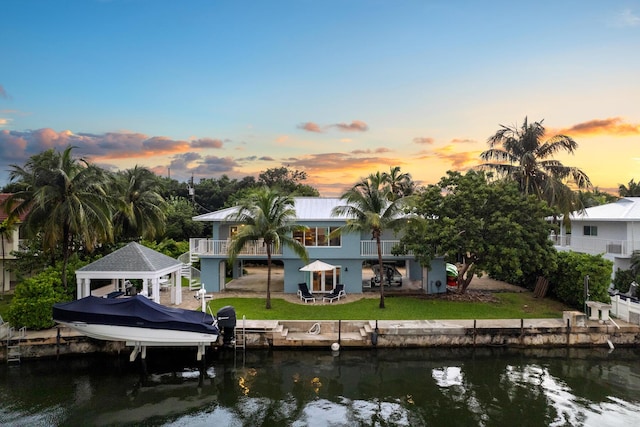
pixel 375 204
pixel 520 154
pixel 484 226
pixel 268 217
pixel 573 269
pixel 65 201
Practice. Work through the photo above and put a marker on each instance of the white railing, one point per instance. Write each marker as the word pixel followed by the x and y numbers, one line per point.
pixel 559 240
pixel 368 248
pixel 625 309
pixel 594 245
pixel 221 247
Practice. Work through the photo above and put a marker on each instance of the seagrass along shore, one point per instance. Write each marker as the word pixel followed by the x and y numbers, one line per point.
pixel 290 334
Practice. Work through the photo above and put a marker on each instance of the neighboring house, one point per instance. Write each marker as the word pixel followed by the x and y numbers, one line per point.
pixel 350 253
pixel 11 244
pixel 612 230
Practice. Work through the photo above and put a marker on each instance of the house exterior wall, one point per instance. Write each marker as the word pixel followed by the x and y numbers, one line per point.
pixel 10 245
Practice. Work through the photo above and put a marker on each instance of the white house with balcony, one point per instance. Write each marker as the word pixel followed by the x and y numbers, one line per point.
pixel 10 244
pixel 349 252
pixel 612 230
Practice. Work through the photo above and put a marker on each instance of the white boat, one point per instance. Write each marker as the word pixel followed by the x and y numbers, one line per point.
pixel 139 322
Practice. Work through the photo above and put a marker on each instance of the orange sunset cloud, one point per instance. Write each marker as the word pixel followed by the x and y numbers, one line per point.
pixel 614 126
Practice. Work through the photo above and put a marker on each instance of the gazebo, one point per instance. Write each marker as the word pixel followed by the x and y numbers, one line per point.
pixel 134 261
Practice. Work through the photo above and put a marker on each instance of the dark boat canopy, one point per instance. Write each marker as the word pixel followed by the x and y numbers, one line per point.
pixel 137 311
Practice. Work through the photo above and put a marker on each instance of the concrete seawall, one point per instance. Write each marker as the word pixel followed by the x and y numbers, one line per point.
pixel 62 341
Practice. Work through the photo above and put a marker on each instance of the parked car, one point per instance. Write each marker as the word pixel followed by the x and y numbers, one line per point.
pixel 390 275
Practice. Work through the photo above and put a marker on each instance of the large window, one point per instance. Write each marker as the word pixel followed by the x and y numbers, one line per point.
pixel 318 236
pixel 590 230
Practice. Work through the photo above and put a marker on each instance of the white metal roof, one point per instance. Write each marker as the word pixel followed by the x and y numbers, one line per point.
pixel 625 209
pixel 307 209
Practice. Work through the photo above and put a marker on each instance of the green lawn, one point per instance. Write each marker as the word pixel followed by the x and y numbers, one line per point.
pixel 510 306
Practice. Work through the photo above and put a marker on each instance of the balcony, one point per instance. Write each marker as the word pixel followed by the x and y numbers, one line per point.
pixel 220 248
pixel 594 245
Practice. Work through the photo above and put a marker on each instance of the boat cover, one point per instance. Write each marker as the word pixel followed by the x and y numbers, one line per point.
pixel 137 311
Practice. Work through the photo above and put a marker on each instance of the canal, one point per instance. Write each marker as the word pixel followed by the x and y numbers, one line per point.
pixel 391 387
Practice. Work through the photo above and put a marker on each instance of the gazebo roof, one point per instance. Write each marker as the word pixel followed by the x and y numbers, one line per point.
pixel 131 260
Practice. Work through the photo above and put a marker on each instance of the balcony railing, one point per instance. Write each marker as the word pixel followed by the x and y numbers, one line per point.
pixel 368 248
pixel 594 245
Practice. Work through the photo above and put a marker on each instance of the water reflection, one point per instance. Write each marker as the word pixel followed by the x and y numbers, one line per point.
pixel 404 387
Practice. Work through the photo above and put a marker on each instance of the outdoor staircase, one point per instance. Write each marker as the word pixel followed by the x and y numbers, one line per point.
pixel 322 334
pixel 191 273
pixel 14 351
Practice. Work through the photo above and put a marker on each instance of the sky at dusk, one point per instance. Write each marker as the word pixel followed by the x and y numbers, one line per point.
pixel 338 89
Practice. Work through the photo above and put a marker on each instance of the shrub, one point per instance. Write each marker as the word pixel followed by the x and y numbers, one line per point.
pixel 623 278
pixel 33 300
pixel 567 282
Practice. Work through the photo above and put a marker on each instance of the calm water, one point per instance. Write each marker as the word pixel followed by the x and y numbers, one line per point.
pixel 481 387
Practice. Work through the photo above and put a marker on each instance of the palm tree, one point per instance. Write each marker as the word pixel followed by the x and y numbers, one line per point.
pixel 268 216
pixel 140 208
pixel 402 184
pixel 631 190
pixel 521 155
pixel 64 201
pixel 371 206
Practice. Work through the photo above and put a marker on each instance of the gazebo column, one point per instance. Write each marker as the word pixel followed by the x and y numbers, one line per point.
pixel 155 283
pixel 83 287
pixel 178 287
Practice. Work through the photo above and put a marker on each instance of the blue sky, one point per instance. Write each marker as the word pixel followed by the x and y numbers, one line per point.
pixel 339 89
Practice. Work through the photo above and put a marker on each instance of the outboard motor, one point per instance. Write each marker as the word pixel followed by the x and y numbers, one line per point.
pixel 227 323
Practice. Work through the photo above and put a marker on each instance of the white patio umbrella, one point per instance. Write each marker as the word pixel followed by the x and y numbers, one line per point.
pixel 318 265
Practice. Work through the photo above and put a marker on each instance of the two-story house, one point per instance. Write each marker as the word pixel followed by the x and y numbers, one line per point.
pixel 348 252
pixel 612 230
pixel 10 244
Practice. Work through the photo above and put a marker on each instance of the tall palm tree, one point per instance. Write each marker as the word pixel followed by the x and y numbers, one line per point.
pixel 64 201
pixel 270 217
pixel 371 206
pixel 140 208
pixel 520 154
pixel 402 184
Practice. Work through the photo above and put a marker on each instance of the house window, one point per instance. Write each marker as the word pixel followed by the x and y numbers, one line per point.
pixel 318 236
pixel 590 230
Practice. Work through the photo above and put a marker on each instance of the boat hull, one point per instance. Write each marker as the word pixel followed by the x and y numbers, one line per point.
pixel 141 336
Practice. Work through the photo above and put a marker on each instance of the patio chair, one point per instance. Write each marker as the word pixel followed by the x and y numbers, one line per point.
pixel 304 294
pixel 335 294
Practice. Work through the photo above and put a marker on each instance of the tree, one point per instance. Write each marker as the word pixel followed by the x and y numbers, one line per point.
pixel 589 199
pixel 64 201
pixel 488 227
pixel 139 207
pixel 519 154
pixel 180 224
pixel 402 184
pixel 631 190
pixel 269 217
pixel 370 205
pixel 287 181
